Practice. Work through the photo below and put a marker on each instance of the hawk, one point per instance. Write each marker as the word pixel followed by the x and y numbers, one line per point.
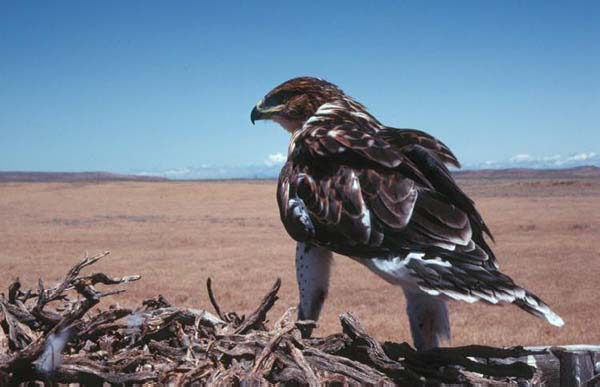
pixel 385 198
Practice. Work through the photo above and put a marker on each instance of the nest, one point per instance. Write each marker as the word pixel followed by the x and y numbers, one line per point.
pixel 58 335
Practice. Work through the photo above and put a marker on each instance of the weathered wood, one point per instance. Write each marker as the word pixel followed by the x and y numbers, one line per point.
pixel 576 367
pixel 354 371
pixel 367 350
pixel 53 335
pixel 595 381
pixel 260 314
pixel 548 365
pixel 309 374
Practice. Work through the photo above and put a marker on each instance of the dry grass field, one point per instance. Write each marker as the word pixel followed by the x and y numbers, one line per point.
pixel 176 234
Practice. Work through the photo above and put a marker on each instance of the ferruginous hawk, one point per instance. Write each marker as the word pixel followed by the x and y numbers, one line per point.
pixel 385 198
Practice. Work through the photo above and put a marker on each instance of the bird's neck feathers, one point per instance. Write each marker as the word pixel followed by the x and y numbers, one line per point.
pixel 345 109
pixel 343 104
pixel 289 125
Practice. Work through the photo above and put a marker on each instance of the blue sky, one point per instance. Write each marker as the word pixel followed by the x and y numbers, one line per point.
pixel 149 85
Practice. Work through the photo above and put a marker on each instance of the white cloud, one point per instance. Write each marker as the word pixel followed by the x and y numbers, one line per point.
pixel 527 160
pixel 581 156
pixel 169 173
pixel 551 158
pixel 275 159
pixel 554 159
pixel 521 157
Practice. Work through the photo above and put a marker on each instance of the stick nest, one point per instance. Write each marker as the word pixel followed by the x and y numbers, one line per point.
pixel 56 335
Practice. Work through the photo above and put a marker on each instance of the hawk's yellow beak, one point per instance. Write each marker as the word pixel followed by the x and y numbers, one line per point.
pixel 259 112
pixel 256 115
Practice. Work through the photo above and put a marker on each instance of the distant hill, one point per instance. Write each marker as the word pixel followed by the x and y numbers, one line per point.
pixel 68 177
pixel 588 172
pixel 530 173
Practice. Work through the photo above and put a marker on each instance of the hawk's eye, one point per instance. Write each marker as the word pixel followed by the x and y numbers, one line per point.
pixel 277 99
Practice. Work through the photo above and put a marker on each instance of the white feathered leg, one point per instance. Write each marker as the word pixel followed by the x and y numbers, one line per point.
pixel 427 314
pixel 428 317
pixel 313 265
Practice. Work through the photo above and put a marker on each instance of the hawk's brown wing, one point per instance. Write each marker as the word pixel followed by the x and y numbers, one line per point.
pixel 406 138
pixel 364 212
pixel 346 187
pixel 431 156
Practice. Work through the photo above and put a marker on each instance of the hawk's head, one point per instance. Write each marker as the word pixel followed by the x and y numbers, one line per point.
pixel 295 101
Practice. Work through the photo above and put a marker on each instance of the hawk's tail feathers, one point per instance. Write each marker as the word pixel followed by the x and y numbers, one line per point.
pixel 471 283
pixel 531 303
pixel 525 300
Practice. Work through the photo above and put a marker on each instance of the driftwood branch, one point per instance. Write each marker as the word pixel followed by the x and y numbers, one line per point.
pixel 55 335
pixel 256 319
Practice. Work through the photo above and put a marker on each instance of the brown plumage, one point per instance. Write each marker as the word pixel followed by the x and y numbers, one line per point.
pixel 362 189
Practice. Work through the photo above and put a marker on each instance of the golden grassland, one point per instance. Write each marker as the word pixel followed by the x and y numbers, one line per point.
pixel 176 234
